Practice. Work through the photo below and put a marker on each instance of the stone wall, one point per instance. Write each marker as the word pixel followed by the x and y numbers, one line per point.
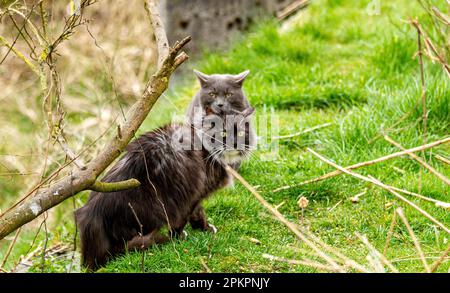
pixel 212 23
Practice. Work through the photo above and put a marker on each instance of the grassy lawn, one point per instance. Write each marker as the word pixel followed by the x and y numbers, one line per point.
pixel 333 63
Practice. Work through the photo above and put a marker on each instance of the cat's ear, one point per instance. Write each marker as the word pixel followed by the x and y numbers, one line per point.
pixel 239 78
pixel 202 78
pixel 248 112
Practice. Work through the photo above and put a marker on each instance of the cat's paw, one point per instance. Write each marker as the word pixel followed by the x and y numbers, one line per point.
pixel 212 228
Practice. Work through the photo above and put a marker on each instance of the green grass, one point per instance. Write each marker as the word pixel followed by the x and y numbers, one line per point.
pixel 336 64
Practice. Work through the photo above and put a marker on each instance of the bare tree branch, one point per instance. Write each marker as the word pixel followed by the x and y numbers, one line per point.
pixel 86 179
pixel 152 9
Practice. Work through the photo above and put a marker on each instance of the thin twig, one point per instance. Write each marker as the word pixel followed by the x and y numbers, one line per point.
pixel 441 259
pixel 44 249
pixel 11 245
pixel 333 207
pixel 368 163
pixel 438 203
pixel 423 98
pixel 382 185
pixel 419 160
pixel 416 242
pixel 205 266
pixel 390 233
pixel 141 235
pixel 19 54
pixel 442 159
pixel 431 51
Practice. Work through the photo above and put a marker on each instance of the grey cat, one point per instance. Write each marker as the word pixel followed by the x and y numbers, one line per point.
pixel 220 94
pixel 175 178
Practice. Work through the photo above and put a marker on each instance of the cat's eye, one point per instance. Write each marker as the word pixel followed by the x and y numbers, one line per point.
pixel 223 134
pixel 228 95
pixel 212 94
pixel 241 133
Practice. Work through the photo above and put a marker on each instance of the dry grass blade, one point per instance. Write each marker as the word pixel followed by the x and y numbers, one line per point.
pixel 442 159
pixel 346 261
pixel 390 232
pixel 283 220
pixel 438 203
pixel 441 259
pixel 303 262
pixel 371 248
pixel 401 215
pixel 419 160
pixel 368 163
pixel 382 185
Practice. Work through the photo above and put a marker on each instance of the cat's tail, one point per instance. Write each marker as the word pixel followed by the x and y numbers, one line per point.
pixel 95 244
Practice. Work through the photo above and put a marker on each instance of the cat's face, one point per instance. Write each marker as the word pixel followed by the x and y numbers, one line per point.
pixel 222 94
pixel 229 138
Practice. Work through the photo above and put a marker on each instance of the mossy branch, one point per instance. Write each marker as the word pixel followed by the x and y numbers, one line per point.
pixel 19 55
pixel 115 186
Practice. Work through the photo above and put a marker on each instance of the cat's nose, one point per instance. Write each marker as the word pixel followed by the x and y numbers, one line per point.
pixel 220 105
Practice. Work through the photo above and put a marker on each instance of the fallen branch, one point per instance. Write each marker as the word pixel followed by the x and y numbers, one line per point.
pixel 416 242
pixel 368 163
pixel 419 160
pixel 382 185
pixel 84 179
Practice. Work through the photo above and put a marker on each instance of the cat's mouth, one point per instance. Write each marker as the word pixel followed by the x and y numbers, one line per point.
pixel 232 156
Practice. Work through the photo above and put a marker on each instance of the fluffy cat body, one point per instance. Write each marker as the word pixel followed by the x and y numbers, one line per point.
pixel 174 181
